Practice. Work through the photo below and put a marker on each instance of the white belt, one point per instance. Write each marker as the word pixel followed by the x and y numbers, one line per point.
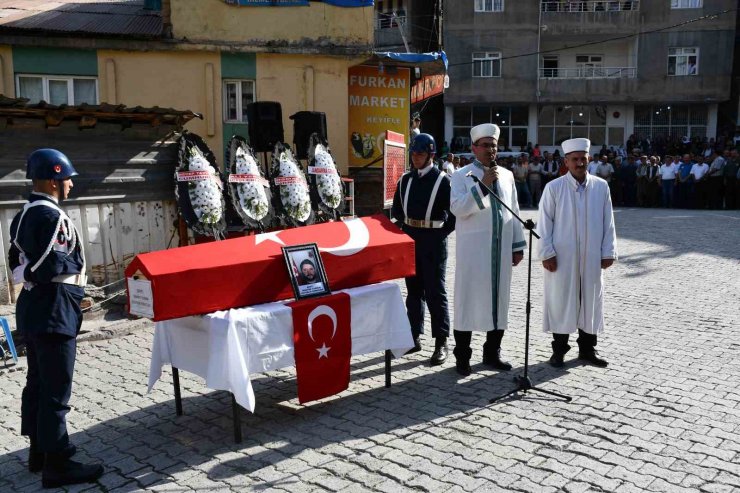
pixel 419 223
pixel 74 279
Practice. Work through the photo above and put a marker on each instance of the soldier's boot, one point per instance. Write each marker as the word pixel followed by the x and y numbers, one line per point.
pixel 60 471
pixel 36 457
pixel 587 350
pixel 462 360
pixel 492 351
pixel 440 351
pixel 559 348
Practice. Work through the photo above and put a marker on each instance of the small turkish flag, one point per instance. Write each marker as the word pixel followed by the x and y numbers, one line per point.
pixel 322 341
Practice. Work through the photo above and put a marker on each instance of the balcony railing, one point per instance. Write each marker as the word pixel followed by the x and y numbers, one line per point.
pixel 387 20
pixel 589 73
pixel 589 6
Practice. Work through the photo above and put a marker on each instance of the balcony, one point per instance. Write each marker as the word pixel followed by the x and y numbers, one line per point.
pixel 589 6
pixel 588 73
pixel 387 30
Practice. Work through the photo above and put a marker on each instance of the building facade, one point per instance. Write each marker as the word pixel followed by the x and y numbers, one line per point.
pixel 210 56
pixel 547 71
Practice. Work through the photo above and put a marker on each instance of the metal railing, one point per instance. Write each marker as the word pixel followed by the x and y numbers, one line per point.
pixel 387 21
pixel 589 6
pixel 589 73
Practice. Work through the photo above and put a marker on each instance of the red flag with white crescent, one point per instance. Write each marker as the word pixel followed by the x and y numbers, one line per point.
pixel 322 341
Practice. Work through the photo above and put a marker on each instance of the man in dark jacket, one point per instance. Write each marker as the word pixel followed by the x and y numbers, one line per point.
pixel 47 256
pixel 421 205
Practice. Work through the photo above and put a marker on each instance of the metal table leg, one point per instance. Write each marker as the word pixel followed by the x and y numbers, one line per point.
pixel 178 397
pixel 387 367
pixel 236 419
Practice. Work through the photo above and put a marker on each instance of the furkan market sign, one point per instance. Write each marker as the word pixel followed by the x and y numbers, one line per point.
pixel 377 102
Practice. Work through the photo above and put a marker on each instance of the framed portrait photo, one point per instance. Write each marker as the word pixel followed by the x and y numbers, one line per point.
pixel 306 271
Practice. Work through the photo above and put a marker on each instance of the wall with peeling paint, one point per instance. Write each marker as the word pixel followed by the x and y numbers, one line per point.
pixel 309 83
pixel 208 20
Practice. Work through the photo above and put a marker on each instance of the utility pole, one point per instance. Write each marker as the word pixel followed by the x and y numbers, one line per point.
pixel 401 28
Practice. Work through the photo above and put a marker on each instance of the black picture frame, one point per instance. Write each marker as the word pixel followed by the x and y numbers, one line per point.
pixel 295 257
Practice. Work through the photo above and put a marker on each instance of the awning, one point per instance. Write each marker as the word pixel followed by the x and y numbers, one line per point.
pixel 431 79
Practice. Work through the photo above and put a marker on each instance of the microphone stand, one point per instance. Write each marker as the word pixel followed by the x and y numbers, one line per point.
pixel 523 382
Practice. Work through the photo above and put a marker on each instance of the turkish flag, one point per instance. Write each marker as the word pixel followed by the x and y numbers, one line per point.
pixel 322 341
pixel 246 271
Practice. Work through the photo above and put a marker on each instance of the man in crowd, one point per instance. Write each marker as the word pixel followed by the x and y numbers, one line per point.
pixel 421 205
pixel 549 169
pixel 534 180
pixel 521 170
pixel 578 240
pixel 449 165
pixel 685 191
pixel 668 173
pixel 605 170
pixel 730 174
pixel 46 256
pixel 699 180
pixel 715 180
pixel 653 181
pixel 489 242
pixel 628 177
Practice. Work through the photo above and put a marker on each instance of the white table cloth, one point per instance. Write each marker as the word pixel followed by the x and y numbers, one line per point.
pixel 226 347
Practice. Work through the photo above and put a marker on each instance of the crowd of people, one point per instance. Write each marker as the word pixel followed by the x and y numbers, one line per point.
pixel 687 174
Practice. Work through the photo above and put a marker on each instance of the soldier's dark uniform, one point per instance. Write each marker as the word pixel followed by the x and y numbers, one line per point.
pixel 421 206
pixel 46 254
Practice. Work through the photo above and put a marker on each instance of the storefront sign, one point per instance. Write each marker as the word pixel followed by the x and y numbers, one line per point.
pixel 426 87
pixel 377 102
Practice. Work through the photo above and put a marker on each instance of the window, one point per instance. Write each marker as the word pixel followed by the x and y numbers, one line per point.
pixel 590 65
pixel 559 123
pixel 550 66
pixel 237 95
pixel 489 5
pixel 683 61
pixel 674 121
pixel 57 90
pixel 686 4
pixel 512 120
pixel 487 64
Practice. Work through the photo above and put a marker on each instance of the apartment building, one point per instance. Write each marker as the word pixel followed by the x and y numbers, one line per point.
pixel 547 71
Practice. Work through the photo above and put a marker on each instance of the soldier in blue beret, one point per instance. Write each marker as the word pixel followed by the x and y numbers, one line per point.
pixel 47 256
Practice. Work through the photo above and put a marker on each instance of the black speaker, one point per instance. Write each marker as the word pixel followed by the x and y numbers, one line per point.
pixel 306 123
pixel 265 120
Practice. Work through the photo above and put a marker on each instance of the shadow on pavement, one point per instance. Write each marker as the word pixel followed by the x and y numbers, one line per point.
pixel 152 446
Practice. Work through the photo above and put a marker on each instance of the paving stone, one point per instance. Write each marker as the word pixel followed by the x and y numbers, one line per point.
pixel 661 417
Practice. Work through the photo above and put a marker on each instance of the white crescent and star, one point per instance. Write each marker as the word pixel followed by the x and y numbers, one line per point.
pixel 359 238
pixel 319 311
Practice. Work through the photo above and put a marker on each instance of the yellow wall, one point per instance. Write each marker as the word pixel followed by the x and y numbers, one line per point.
pixel 7 81
pixel 309 83
pixel 181 80
pixel 216 20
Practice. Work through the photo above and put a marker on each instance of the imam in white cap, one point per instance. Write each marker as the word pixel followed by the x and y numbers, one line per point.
pixel 484 130
pixel 576 145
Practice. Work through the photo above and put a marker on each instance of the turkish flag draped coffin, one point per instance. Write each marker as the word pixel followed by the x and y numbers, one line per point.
pixel 245 271
pixel 323 345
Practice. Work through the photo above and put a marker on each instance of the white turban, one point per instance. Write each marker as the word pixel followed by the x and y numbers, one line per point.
pixel 484 130
pixel 576 145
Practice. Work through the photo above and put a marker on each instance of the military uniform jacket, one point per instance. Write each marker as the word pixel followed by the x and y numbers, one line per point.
pixel 412 200
pixel 46 304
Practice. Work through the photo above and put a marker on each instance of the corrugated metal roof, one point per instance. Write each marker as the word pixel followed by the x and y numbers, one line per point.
pixel 109 17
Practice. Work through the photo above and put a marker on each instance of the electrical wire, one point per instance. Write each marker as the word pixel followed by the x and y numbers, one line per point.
pixel 617 38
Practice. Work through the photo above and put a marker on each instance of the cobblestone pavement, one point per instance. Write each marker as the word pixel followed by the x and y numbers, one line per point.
pixel 664 416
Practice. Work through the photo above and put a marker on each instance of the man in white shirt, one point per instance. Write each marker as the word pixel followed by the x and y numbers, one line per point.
pixel 668 173
pixel 594 165
pixel 699 177
pixel 605 170
pixel 449 166
pixel 578 241
pixel 715 180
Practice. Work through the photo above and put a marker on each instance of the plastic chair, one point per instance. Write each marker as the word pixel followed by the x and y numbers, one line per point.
pixel 9 340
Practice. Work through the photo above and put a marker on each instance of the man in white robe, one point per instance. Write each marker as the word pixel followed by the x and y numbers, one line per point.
pixel 578 241
pixel 489 241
